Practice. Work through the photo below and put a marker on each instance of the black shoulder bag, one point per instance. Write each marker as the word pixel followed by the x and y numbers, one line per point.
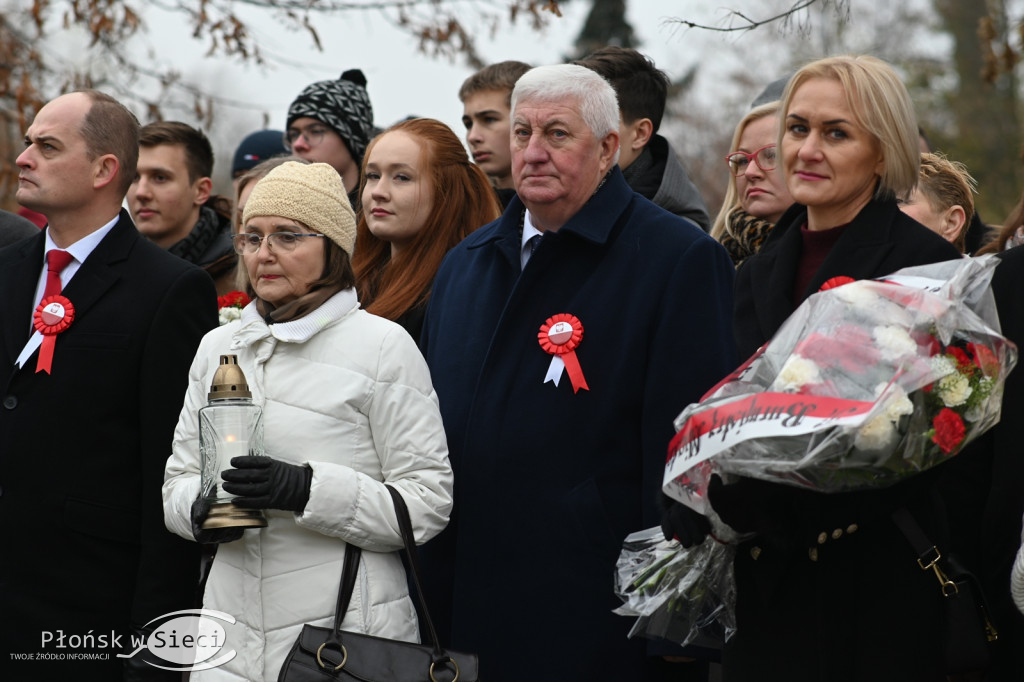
pixel 332 654
pixel 968 629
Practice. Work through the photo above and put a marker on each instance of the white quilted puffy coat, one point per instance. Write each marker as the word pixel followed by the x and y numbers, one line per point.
pixel 1017 578
pixel 349 394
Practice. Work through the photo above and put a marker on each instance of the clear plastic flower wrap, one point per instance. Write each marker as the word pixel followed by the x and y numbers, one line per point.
pixel 867 383
pixel 682 595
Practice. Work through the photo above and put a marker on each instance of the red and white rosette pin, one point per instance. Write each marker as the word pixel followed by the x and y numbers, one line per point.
pixel 559 336
pixel 53 315
pixel 837 281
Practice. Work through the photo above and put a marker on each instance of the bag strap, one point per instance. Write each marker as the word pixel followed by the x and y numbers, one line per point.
pixel 348 583
pixel 405 525
pixel 928 554
pixel 351 570
pixel 929 557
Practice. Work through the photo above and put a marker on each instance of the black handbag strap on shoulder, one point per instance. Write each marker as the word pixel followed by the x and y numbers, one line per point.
pixel 351 569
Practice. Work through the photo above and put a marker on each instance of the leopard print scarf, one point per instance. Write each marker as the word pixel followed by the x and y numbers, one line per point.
pixel 744 234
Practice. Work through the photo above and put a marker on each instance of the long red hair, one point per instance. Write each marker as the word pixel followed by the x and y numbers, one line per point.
pixel 463 200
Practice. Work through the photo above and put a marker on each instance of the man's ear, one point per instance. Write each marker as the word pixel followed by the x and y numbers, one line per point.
pixel 105 170
pixel 203 188
pixel 640 132
pixel 609 145
pixel 953 221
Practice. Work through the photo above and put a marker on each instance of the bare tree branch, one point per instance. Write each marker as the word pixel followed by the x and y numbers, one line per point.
pixel 748 23
pixel 30 73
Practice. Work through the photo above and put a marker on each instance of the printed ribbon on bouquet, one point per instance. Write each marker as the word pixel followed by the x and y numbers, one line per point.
pixel 53 315
pixel 560 335
pixel 761 415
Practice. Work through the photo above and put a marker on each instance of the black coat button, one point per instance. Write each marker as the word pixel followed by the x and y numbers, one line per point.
pixel 10 402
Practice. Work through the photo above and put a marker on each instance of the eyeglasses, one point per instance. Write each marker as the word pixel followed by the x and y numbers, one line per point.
pixel 763 157
pixel 280 242
pixel 313 135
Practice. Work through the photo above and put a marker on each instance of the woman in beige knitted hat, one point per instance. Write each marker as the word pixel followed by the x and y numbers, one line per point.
pixel 347 407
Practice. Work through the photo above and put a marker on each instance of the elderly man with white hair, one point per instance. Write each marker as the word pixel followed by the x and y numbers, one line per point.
pixel 563 339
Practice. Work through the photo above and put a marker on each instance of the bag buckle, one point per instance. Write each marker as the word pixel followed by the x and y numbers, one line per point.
pixel 344 657
pixel 445 664
pixel 932 557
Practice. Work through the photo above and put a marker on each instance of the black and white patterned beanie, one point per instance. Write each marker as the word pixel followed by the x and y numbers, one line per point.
pixel 344 105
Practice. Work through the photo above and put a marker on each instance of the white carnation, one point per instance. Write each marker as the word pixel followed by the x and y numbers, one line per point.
pixel 878 434
pixel 894 342
pixel 942 366
pixel 796 373
pixel 857 294
pixel 229 314
pixel 954 389
pixel 897 404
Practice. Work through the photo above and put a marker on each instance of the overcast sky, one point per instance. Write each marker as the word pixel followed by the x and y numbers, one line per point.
pixel 401 81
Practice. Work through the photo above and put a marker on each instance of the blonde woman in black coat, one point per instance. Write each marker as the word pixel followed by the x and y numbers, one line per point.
pixel 828 588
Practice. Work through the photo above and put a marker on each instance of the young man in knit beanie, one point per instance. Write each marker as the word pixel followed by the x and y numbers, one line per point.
pixel 332 122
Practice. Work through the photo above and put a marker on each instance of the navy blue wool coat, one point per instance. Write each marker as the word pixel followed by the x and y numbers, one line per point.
pixel 548 481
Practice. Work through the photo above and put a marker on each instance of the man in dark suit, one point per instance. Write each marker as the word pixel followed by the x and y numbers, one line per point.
pixel 87 414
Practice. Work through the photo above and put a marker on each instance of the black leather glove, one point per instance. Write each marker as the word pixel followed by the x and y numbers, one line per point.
pixel 682 523
pixel 266 483
pixel 210 536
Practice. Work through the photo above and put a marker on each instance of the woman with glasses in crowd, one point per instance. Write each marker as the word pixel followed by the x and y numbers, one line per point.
pixel 421 195
pixel 828 589
pixel 347 407
pixel 757 196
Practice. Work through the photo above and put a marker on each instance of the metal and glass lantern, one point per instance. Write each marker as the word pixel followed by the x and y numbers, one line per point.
pixel 229 426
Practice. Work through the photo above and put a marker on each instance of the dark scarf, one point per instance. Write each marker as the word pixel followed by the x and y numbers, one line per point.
pixel 300 307
pixel 639 175
pixel 192 247
pixel 744 234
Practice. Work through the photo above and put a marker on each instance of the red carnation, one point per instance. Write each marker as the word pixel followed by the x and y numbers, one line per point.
pixel 233 298
pixel 962 360
pixel 985 358
pixel 949 430
pixel 926 341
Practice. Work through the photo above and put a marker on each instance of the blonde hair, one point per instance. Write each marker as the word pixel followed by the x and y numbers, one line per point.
pixel 732 197
pixel 946 184
pixel 881 105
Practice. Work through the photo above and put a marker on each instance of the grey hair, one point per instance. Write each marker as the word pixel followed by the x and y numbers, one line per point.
pixel 598 104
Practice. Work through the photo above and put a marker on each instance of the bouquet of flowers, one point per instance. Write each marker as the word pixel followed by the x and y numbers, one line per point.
pixel 230 306
pixel 867 383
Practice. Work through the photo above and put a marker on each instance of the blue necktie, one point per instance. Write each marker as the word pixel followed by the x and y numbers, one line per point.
pixel 532 242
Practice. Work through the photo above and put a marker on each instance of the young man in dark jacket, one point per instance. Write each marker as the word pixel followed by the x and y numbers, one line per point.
pixel 647 160
pixel 171 201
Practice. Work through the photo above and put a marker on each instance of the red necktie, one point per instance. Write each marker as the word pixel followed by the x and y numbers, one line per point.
pixel 56 261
